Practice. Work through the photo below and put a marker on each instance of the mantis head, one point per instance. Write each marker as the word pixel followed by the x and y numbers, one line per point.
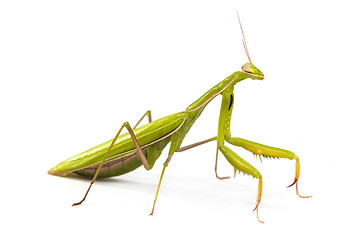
pixel 252 72
pixel 248 68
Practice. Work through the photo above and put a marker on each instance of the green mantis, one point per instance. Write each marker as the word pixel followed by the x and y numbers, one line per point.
pixel 143 145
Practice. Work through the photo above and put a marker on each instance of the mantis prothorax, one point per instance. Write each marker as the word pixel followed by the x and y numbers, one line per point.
pixel 143 145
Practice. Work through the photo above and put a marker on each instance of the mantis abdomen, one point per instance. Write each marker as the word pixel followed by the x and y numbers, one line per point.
pixel 126 162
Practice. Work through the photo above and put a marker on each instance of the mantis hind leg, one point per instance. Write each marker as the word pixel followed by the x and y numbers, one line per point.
pixel 138 149
pixel 269 152
pixel 148 113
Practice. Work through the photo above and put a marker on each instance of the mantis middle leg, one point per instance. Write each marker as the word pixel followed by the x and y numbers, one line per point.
pixel 168 160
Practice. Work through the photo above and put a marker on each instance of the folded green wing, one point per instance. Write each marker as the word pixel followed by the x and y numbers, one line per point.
pixel 144 134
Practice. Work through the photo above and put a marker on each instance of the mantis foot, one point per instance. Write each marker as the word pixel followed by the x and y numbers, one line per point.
pixel 297 174
pixel 258 200
pixel 152 211
pixel 222 178
pixel 297 191
pixel 77 204
pixel 257 210
pixel 257 213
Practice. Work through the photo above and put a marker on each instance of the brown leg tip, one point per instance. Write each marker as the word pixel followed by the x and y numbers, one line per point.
pixel 295 181
pixel 152 210
pixel 222 178
pixel 77 204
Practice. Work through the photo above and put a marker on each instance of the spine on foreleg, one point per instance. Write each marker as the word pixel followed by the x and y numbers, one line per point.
pixel 239 163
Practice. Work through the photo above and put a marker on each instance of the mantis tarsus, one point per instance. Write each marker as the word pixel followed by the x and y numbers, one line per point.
pixel 143 145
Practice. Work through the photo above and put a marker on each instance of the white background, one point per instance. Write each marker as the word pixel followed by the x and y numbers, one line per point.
pixel 72 72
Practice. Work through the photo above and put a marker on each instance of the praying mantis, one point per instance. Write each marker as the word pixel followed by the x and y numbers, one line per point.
pixel 144 145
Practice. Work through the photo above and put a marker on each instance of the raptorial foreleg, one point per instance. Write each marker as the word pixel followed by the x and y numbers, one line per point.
pixel 264 151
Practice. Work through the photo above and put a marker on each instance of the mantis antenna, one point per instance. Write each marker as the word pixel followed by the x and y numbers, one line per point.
pixel 243 40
